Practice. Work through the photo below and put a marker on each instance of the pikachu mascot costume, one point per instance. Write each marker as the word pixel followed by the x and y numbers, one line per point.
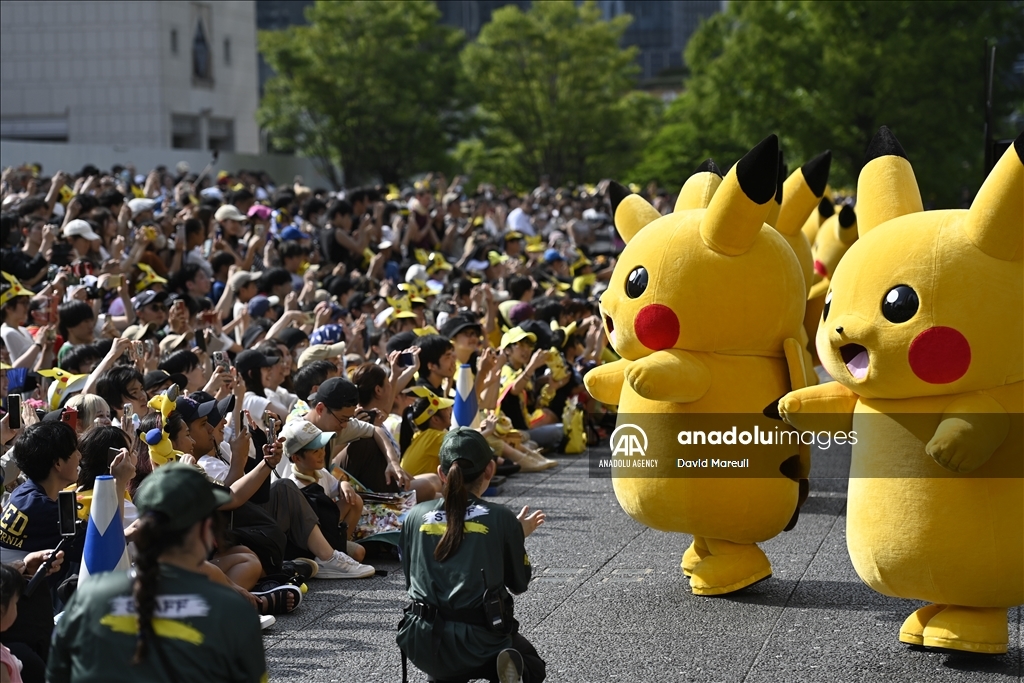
pixel 922 329
pixel 705 308
pixel 832 240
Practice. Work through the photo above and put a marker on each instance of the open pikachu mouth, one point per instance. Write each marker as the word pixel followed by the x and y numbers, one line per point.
pixel 609 327
pixel 856 358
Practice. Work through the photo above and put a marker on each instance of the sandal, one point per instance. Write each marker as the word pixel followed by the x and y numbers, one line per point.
pixel 276 599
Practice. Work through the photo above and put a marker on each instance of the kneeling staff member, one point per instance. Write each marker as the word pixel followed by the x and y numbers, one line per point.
pixel 460 625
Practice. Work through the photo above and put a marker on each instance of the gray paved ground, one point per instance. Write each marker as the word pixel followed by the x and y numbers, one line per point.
pixel 608 603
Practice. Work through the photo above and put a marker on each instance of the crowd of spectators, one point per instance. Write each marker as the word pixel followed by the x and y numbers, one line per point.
pixel 306 349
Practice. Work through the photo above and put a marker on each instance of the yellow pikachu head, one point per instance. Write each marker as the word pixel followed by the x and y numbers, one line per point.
pixel 834 238
pixel 928 302
pixel 705 279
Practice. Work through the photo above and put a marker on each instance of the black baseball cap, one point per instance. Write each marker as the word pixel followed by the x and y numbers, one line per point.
pixel 401 341
pixel 335 393
pixel 249 359
pixel 147 297
pixel 291 337
pixel 216 415
pixel 191 409
pixel 155 378
pixel 458 323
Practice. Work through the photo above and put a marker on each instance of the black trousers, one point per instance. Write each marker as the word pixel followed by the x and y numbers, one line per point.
pixel 534 668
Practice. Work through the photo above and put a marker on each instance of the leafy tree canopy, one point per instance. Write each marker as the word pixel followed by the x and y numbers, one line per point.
pixel 826 75
pixel 373 87
pixel 556 96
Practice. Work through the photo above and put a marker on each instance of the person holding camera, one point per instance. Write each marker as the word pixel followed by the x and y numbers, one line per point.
pixel 460 625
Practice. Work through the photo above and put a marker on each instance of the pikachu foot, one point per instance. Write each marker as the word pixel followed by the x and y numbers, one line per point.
pixel 968 629
pixel 693 555
pixel 743 565
pixel 912 630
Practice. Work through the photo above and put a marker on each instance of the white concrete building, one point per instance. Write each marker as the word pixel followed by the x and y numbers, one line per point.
pixel 158 74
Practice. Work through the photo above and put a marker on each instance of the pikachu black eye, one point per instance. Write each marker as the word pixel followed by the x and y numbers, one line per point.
pixel 900 304
pixel 636 283
pixel 828 302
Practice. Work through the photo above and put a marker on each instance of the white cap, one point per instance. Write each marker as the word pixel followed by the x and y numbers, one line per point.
pixel 229 212
pixel 139 205
pixel 212 191
pixel 303 434
pixel 80 228
pixel 416 273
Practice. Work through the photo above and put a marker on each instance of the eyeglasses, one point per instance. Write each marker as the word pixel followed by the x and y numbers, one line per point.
pixel 156 307
pixel 342 421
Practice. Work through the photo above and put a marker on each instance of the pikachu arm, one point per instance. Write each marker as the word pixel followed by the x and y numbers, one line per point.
pixel 671 375
pixel 799 362
pixel 972 428
pixel 825 407
pixel 604 382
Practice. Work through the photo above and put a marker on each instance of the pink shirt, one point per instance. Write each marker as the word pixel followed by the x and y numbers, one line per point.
pixel 11 663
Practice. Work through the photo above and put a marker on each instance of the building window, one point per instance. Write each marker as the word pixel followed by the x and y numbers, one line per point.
pixel 201 67
pixel 221 135
pixel 174 41
pixel 185 133
pixel 227 51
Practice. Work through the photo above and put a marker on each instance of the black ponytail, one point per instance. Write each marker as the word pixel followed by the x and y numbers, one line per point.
pixel 456 500
pixel 408 428
pixel 152 540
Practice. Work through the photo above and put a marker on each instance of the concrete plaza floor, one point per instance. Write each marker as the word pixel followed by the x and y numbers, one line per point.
pixel 608 603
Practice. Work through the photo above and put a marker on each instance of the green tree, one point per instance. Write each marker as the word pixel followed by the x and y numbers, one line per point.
pixel 555 95
pixel 826 75
pixel 370 86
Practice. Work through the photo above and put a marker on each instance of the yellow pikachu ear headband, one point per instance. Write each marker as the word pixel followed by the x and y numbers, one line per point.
pixel 434 403
pixel 149 277
pixel 16 290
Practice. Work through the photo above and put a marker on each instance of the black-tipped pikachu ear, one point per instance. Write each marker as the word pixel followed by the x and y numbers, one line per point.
pixel 803 191
pixel 775 208
pixel 847 225
pixel 995 223
pixel 700 187
pixel 631 212
pixel 887 187
pixel 737 211
pixel 825 208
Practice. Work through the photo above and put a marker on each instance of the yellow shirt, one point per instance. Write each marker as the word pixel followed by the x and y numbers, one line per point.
pixel 422 455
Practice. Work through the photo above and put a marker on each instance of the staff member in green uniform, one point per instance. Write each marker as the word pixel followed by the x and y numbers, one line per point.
pixel 163 621
pixel 460 625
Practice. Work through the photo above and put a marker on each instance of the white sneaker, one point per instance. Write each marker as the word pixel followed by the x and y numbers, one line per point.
pixel 510 666
pixel 341 566
pixel 267 620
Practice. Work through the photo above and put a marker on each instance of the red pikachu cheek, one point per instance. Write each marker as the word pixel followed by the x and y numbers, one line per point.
pixel 657 327
pixel 940 355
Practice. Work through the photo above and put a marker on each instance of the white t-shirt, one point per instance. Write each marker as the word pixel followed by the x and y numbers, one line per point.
pixel 16 339
pixel 327 482
pixel 283 397
pixel 519 221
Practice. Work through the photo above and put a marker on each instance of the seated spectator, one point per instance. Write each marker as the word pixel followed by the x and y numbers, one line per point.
pixel 93 412
pixel 77 325
pixel 188 364
pixel 336 502
pixel 120 385
pixel 105 450
pixel 424 425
